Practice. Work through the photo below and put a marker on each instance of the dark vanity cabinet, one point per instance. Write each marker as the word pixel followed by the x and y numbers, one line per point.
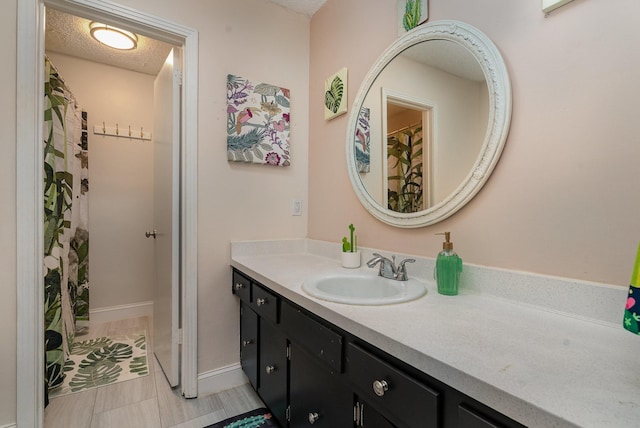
pixel 312 373
pixel 249 343
pixel 273 369
pixel 318 396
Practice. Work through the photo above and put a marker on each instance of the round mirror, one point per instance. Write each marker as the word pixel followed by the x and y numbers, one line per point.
pixel 428 124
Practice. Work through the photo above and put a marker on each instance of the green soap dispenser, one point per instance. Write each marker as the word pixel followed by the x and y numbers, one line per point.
pixel 448 268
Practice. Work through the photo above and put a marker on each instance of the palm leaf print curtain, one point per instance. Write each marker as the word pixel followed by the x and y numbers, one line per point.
pixel 66 236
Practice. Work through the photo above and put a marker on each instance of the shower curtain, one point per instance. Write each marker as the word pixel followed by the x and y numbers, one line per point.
pixel 66 236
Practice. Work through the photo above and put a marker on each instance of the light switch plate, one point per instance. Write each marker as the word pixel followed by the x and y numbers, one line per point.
pixel 549 5
pixel 296 207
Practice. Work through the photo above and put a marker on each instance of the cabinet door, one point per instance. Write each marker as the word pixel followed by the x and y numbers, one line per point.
pixel 368 417
pixel 318 397
pixel 249 343
pixel 398 396
pixel 273 370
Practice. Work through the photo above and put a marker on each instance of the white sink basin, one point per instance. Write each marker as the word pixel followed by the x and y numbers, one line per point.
pixel 363 289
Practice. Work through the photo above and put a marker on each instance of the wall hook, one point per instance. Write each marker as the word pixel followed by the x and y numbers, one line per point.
pixel 104 128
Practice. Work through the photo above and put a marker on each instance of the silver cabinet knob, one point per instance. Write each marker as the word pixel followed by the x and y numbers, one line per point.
pixel 261 302
pixel 239 286
pixel 313 417
pixel 247 342
pixel 380 387
pixel 270 369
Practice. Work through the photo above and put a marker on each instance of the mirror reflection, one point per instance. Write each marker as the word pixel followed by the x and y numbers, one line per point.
pixel 422 126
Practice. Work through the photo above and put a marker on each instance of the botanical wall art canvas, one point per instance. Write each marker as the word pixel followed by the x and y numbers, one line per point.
pixel 258 117
pixel 411 13
pixel 362 140
pixel 335 95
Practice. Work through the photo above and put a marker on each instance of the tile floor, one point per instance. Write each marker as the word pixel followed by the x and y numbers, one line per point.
pixel 147 402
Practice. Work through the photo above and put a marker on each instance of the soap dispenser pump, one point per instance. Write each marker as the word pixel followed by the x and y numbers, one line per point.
pixel 448 268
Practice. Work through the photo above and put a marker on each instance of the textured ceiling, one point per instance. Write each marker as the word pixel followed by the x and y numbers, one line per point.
pixel 69 35
pixel 305 7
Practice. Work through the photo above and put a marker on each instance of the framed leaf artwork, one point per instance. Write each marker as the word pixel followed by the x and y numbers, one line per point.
pixel 411 13
pixel 335 95
pixel 258 116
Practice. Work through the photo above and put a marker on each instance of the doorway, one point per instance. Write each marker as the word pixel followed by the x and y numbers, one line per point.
pixel 29 188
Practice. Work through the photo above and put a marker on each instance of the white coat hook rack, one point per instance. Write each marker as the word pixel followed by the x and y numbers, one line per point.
pixel 118 131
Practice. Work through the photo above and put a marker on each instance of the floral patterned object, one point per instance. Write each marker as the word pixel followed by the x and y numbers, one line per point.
pixel 66 236
pixel 632 308
pixel 362 140
pixel 103 361
pixel 258 119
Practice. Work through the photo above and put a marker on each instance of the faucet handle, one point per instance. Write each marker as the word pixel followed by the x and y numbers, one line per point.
pixel 402 270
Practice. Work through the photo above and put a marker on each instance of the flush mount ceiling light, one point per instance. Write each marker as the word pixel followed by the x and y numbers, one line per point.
pixel 116 38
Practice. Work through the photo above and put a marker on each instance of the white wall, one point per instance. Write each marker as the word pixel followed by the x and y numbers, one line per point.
pixel 8 214
pixel 261 41
pixel 254 39
pixel 120 179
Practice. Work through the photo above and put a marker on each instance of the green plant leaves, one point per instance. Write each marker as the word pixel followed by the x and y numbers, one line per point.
pixel 413 12
pixel 80 348
pixel 100 373
pixel 141 342
pixel 101 361
pixel 404 150
pixel 333 97
pixel 139 366
pixel 100 367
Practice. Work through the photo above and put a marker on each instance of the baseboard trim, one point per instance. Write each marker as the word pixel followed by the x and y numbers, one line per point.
pixel 220 379
pixel 9 426
pixel 121 312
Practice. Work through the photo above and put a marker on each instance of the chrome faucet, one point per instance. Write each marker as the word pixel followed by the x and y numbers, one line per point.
pixel 388 268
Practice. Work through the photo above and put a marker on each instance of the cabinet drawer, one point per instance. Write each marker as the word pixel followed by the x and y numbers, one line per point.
pixel 241 287
pixel 468 418
pixel 402 399
pixel 264 303
pixel 318 339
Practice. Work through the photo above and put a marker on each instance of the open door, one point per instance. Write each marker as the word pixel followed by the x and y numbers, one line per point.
pixel 166 140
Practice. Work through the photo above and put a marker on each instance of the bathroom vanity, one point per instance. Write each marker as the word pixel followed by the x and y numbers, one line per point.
pixel 446 361
pixel 311 372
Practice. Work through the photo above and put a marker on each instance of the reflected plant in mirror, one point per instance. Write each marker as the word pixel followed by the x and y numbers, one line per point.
pixel 404 153
pixel 438 103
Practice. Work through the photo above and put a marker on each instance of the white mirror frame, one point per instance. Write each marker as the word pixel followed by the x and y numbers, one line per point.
pixel 499 86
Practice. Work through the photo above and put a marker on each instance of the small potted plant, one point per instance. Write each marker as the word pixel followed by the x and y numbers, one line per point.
pixel 350 253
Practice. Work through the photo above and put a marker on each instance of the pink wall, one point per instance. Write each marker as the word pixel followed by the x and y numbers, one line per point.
pixel 563 200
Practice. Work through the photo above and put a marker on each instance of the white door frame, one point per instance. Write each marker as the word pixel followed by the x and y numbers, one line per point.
pixel 29 188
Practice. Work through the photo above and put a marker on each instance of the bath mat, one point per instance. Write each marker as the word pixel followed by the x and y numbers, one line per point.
pixel 254 418
pixel 104 361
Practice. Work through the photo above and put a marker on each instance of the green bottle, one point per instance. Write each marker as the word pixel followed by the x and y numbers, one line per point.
pixel 448 268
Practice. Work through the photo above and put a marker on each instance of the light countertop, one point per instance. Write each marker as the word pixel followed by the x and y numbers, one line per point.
pixel 539 367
